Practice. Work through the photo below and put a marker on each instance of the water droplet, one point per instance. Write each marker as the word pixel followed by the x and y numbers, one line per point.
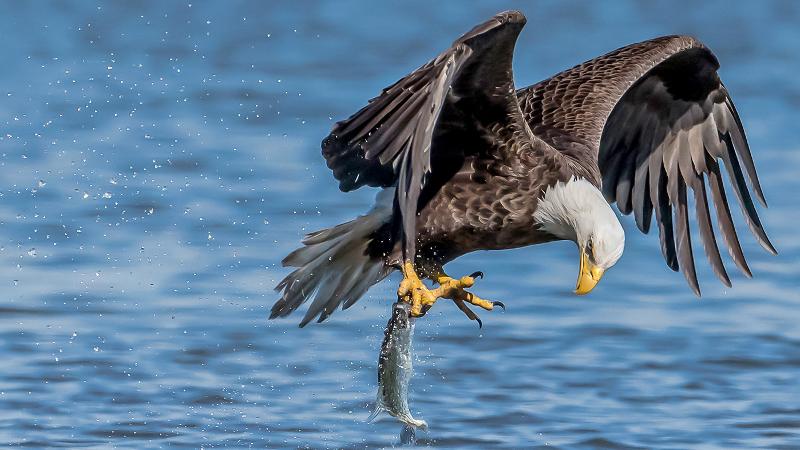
pixel 106 194
pixel 32 252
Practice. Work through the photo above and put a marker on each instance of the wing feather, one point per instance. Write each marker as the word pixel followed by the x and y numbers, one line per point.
pixel 724 219
pixel 707 231
pixel 642 209
pixel 664 219
pixel 391 140
pixel 684 238
pixel 740 140
pixel 658 122
pixel 743 195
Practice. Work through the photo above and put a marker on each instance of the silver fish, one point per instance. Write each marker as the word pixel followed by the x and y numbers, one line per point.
pixel 394 369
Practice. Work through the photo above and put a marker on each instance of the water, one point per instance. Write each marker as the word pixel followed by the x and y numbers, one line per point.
pixel 158 160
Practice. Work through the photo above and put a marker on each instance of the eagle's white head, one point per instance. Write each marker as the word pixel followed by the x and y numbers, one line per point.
pixel 576 210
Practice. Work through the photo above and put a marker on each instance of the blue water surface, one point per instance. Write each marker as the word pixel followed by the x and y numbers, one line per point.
pixel 158 159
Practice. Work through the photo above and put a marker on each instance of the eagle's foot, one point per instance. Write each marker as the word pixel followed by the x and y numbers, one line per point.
pixel 455 289
pixel 413 291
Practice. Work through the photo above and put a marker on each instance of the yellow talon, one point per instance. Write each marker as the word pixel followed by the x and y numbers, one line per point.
pixel 421 298
pixel 412 290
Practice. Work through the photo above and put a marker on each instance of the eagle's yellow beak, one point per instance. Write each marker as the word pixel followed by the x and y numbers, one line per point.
pixel 588 276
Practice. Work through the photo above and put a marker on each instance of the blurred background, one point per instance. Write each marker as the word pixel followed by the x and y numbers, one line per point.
pixel 158 159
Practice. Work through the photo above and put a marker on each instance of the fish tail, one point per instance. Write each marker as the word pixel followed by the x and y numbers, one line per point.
pixel 408 435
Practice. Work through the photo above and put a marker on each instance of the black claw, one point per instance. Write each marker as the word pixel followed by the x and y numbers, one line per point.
pixel 397 266
pixel 500 304
pixel 476 274
pixel 480 323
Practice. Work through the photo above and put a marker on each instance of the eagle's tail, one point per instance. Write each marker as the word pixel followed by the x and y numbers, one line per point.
pixel 334 266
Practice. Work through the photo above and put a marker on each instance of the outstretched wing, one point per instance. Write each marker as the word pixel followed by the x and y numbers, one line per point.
pixel 658 121
pixel 395 138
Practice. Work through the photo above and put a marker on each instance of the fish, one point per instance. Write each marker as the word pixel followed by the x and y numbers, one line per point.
pixel 395 370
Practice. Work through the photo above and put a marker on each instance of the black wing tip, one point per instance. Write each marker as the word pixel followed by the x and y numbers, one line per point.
pixel 721 273
pixel 744 268
pixel 690 275
pixel 767 245
pixel 276 310
pixel 331 145
pixel 672 262
pixel 286 262
pixel 348 184
pixel 644 227
pixel 306 320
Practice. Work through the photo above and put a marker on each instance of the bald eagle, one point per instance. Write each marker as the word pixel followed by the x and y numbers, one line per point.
pixel 467 162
